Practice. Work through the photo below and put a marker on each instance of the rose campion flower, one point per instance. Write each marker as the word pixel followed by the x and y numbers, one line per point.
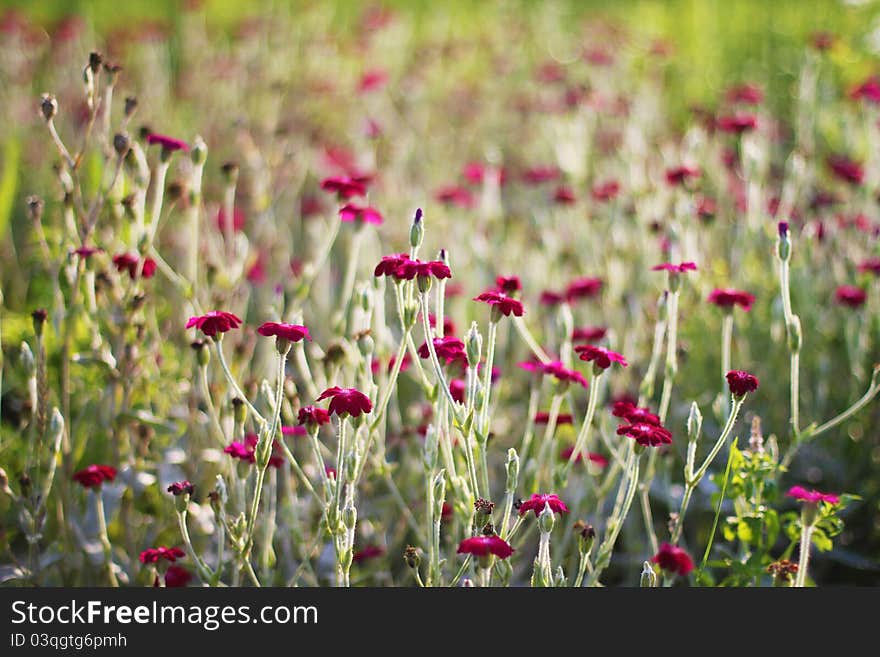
pixel 564 195
pixel 501 303
pixel 287 430
pixel 448 348
pixel 588 333
pixel 555 369
pixel 214 322
pixel 346 401
pixel 312 416
pixel 673 559
pixel 645 434
pixel 850 295
pixel 291 332
pixel 389 265
pixel 345 187
pixel 737 123
pixel 803 495
pixel 410 269
pixel 455 196
pixel 537 502
pixel 846 169
pixel 508 284
pixel 484 546
pixel 870 265
pixel 238 220
pixel 729 297
pixel 154 555
pixel 132 264
pixel 177 576
pixel 681 268
pixel 599 356
pixel 360 214
pixel 594 458
pixel 543 417
pixel 372 81
pixel 181 488
pixel 246 451
pixel 868 90
pixel 457 388
pixel 85 252
pixel 168 144
pixel 748 94
pixel 741 383
pixel 540 174
pixel 606 191
pixel 582 288
pixel 368 552
pixel 681 175
pixel 94 475
pixel 474 173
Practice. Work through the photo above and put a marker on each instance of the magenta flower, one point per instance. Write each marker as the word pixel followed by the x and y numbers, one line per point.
pixel 368 552
pixel 246 451
pixel 850 295
pixel 389 265
pixel 555 369
pixel 741 382
pixel 540 174
pixel 168 144
pixel 543 417
pixel 802 494
pixel 457 389
pixel 508 284
pixel 588 333
pixel 313 416
pixel 454 195
pixel 641 415
pixel 737 123
pixel 599 356
pixel 181 487
pixel 673 559
pixel 675 269
pixel 287 430
pixel 728 298
pixel 132 264
pixel 153 555
pixel 869 90
pixel 550 298
pixel 177 576
pixel 85 252
pixel 345 187
pixel 748 94
pixel 238 220
pixel 291 332
pixel 681 175
pixel 347 401
pixel 582 288
pixel 483 546
pixel 606 191
pixel 94 475
pixel 870 265
pixel 645 434
pixel 214 322
pixel 846 169
pixel 474 172
pixel 372 81
pixel 448 348
pixel 357 213
pixel 410 269
pixel 537 501
pixel 502 303
pixel 564 195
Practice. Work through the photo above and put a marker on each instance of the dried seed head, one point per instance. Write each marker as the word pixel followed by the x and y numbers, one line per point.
pixel 131 104
pixel 95 61
pixel 412 557
pixel 484 507
pixel 230 172
pixel 48 106
pixel 121 144
pixel 39 316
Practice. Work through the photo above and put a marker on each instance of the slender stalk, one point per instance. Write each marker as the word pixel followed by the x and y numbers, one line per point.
pixel 804 560
pixel 529 339
pixel 258 417
pixel 584 433
pixel 104 537
pixel 726 342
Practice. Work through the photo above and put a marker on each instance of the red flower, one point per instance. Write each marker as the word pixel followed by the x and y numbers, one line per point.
pixel 681 174
pixel 448 349
pixel 592 457
pixel 869 90
pixel 368 552
pixel 238 220
pixel 214 322
pixel 94 475
pixel 622 407
pixel 745 93
pixel 555 369
pixel 181 487
pixel 540 174
pixel 87 251
pixel 312 415
pixel 870 265
pixel 457 389
pixel 287 430
pixel 372 81
pixel 850 295
pixel 474 172
pixel 728 298
pixel 737 123
pixel 291 332
pixel 550 298
pixel 153 555
pixel 508 284
pixel 169 144
pixel 410 269
pixel 675 269
pixel 246 451
pixel 347 400
pixel 132 264
pixel 537 502
pixel 646 435
pixel 600 356
pixel 606 191
pixel 505 304
pixel 389 265
pixel 454 195
pixel 802 494
pixel 177 576
pixel 641 415
pixel 365 214
pixel 706 207
pixel 543 417
pixel 564 195
pixel 673 559
pixel 583 288
pixel 483 546
pixel 846 169
pixel 588 333
pixel 741 383
pixel 345 187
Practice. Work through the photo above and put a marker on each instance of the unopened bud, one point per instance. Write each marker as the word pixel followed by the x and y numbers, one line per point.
pixel 512 470
pixel 366 344
pixel 34 207
pixel 28 364
pixel 239 410
pixel 783 245
pixel 48 106
pixel 417 230
pixel 694 422
pixel 795 336
pixel 412 557
pixel 230 172
pixel 199 151
pixel 484 509
pixel 56 426
pixel 546 520
pixel 410 314
pixel 121 144
pixel 474 345
pixel 439 486
pixel 203 353
pixel 564 322
pixel 39 317
pixel 429 452
pixel 349 516
pixel 648 579
pixel 131 104
pixel 351 464
pixel 586 536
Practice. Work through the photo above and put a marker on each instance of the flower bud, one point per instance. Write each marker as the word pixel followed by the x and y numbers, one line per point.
pixel 365 297
pixel 412 557
pixel 199 151
pixel 473 345
pixel 351 463
pixel 417 230
pixel 439 486
pixel 424 283
pixel 795 336
pixel 39 318
pixel 48 106
pixel 365 344
pixel 674 282
pixel 410 314
pixel 429 451
pixel 586 536
pixel 56 426
pixel 121 143
pixel 483 515
pixel 546 520
pixel 648 579
pixel 131 104
pixel 230 172
pixel 349 516
pixel 28 365
pixel 239 410
pixel 694 422
pixel 512 470
pixel 220 487
pixel 662 306
pixel 35 208
pixel 783 245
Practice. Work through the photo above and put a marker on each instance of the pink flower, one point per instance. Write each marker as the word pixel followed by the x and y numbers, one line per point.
pixel 846 169
pixel 345 187
pixel 728 298
pixel 238 220
pixel 94 475
pixel 504 304
pixel 168 144
pixel 372 81
pixel 588 333
pixel 582 288
pixel 869 90
pixel 737 123
pixel 347 401
pixel 368 552
pixel 802 494
pixel 454 195
pixel 291 332
pixel 870 265
pixel 645 434
pixel 132 264
pixel 483 546
pixel 640 415
pixel 748 94
pixel 389 265
pixel 555 369
pixel 177 576
pixel 357 213
pixel 214 322
pixel 508 284
pixel 293 431
pixel 675 269
pixel 448 348
pixel 540 174
pixel 600 356
pixel 410 269
pixel 606 191
pixel 88 251
pixel 537 502
pixel 550 298
pixel 592 457
pixel 457 389
pixel 850 295
pixel 181 487
pixel 706 207
pixel 474 172
pixel 681 175
pixel 673 559
pixel 246 451
pixel 153 555
pixel 741 382
pixel 543 417
pixel 564 195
